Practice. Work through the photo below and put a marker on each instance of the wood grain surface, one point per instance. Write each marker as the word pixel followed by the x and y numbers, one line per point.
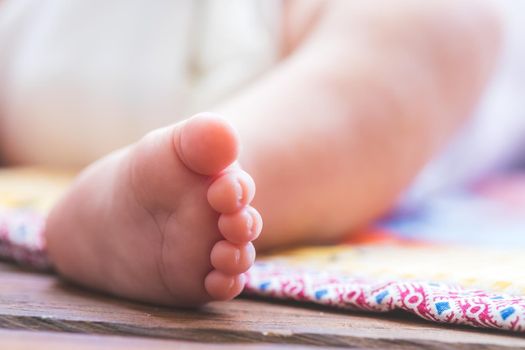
pixel 29 340
pixel 39 302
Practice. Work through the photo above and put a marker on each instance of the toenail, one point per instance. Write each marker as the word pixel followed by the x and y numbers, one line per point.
pixel 231 283
pixel 237 256
pixel 239 192
pixel 250 222
pixel 242 279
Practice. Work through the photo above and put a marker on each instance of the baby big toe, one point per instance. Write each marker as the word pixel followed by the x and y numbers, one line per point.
pixel 207 144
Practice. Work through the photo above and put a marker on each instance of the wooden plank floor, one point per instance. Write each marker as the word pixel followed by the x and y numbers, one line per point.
pixel 30 340
pixel 38 302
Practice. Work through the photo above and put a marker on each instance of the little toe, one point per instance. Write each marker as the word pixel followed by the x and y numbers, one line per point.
pixel 231 192
pixel 223 287
pixel 232 259
pixel 241 227
pixel 207 144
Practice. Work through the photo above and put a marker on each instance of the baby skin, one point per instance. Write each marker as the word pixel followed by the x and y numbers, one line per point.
pixel 166 220
pixel 365 94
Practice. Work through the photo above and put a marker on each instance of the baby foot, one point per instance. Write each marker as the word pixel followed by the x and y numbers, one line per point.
pixel 166 220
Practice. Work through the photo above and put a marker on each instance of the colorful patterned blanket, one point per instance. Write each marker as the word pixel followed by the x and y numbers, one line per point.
pixel 456 259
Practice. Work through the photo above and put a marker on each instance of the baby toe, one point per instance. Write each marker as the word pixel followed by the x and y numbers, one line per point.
pixel 231 259
pixel 207 144
pixel 232 191
pixel 223 287
pixel 241 227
